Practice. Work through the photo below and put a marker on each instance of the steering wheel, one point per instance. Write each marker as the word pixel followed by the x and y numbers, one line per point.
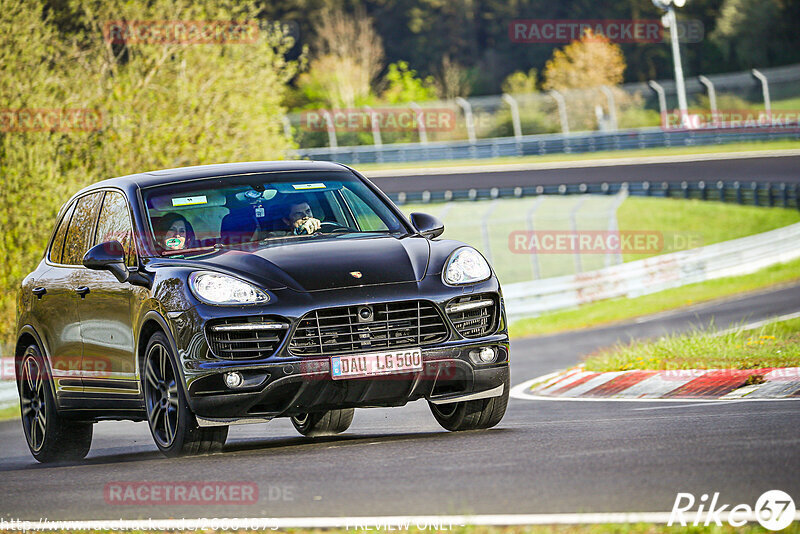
pixel 330 227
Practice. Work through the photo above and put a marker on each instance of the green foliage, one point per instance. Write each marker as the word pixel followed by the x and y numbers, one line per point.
pixel 403 85
pixel 773 345
pixel 520 82
pixel 162 106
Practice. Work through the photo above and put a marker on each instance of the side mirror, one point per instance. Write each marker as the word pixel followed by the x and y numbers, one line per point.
pixel 427 225
pixel 108 256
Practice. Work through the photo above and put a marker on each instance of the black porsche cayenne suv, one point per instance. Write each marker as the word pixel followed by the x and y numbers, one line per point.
pixel 202 297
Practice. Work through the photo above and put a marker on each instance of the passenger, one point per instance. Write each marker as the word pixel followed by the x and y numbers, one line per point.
pixel 174 232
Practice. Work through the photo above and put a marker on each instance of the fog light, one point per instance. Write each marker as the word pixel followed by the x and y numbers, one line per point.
pixel 233 380
pixel 482 355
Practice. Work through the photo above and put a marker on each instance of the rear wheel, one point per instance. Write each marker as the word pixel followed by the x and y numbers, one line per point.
pixel 172 424
pixel 324 423
pixel 471 415
pixel 50 437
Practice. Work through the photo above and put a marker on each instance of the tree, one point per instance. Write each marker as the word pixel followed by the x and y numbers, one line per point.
pixel 520 82
pixel 348 57
pixel 593 61
pixel 162 105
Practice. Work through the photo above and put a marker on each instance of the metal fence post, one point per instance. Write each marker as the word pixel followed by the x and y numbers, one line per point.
pixel 287 127
pixel 613 226
pixel 423 134
pixel 470 120
pixel 376 127
pixel 331 129
pixel 765 91
pixel 508 99
pixel 712 95
pixel 662 99
pixel 485 229
pixel 562 110
pixel 574 227
pixel 537 273
pixel 612 107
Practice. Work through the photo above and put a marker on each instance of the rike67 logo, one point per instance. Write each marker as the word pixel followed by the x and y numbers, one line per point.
pixel 774 510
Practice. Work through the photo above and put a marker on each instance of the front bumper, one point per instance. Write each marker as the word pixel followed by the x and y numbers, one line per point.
pixel 287 389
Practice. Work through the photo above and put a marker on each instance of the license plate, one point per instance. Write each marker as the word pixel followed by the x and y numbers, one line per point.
pixel 376 363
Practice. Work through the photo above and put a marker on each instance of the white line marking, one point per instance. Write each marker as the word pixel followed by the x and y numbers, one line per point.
pixel 757 324
pixel 420 522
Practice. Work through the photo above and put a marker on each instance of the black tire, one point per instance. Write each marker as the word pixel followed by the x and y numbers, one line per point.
pixel 472 415
pixel 50 437
pixel 172 424
pixel 324 423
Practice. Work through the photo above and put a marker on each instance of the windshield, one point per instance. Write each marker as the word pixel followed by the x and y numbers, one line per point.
pixel 206 214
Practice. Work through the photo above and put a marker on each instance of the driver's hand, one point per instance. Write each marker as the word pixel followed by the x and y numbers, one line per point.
pixel 308 224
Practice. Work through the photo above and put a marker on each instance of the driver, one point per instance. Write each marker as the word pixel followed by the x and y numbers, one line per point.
pixel 298 218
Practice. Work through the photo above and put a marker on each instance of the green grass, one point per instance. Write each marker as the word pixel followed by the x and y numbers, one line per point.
pixel 583 156
pixel 616 310
pixel 9 413
pixel 773 345
pixel 704 222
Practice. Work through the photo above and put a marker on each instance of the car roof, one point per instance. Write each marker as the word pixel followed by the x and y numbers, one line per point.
pixel 167 176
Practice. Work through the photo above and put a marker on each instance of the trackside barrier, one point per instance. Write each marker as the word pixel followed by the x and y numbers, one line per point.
pixel 8 393
pixel 537 145
pixel 782 194
pixel 641 277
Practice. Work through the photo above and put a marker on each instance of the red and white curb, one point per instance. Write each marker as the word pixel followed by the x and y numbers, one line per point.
pixel 644 385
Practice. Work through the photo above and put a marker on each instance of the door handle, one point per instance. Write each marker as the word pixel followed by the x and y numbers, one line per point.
pixel 82 291
pixel 39 291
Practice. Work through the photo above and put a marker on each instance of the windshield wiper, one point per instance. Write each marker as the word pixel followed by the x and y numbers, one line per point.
pixel 193 250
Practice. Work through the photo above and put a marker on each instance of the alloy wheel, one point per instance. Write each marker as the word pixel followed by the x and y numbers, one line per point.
pixel 33 403
pixel 161 395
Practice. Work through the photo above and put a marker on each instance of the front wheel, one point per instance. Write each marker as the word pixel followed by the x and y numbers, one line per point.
pixel 324 423
pixel 471 415
pixel 50 437
pixel 172 424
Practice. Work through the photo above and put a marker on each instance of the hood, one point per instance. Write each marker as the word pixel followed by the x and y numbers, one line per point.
pixel 319 264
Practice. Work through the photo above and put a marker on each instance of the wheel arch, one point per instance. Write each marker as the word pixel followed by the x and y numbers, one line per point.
pixel 29 336
pixel 153 322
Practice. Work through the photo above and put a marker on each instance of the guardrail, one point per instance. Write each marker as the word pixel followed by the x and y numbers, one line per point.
pixel 530 145
pixel 782 194
pixel 641 277
pixel 8 394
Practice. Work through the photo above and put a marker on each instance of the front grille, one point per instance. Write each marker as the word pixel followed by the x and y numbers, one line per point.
pixel 473 316
pixel 350 329
pixel 245 338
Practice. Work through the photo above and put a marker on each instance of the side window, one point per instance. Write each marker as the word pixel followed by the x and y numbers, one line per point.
pixel 81 229
pixel 58 241
pixel 367 219
pixel 114 224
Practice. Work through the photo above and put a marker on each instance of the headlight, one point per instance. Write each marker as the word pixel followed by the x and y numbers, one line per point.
pixel 466 266
pixel 216 288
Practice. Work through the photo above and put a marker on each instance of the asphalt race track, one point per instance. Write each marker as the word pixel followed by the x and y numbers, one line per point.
pixel 745 170
pixel 544 457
